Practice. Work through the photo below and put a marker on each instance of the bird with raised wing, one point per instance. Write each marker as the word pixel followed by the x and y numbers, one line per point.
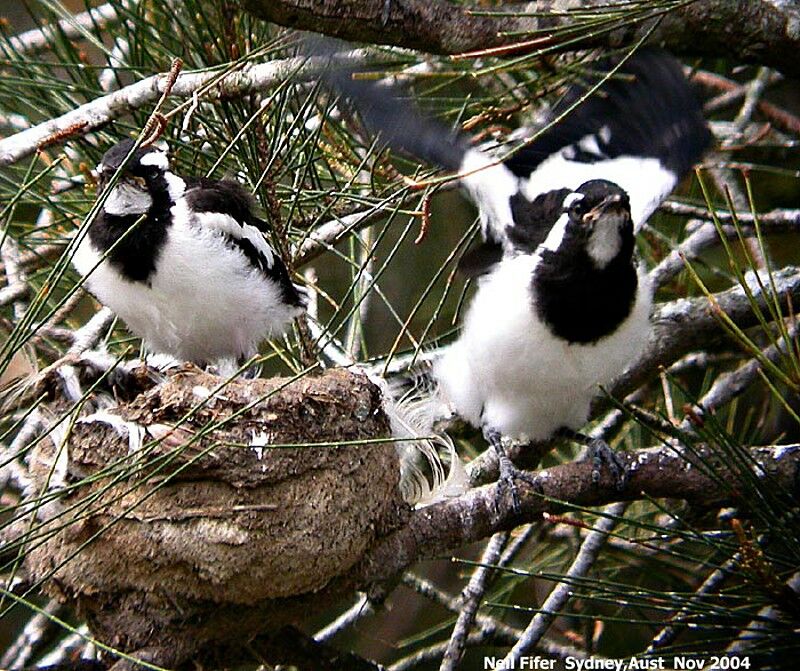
pixel 562 304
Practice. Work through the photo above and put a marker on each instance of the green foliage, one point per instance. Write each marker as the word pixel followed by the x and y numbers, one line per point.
pixel 380 295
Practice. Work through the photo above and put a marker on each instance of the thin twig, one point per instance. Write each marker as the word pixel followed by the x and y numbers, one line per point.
pixel 733 92
pixel 22 649
pixel 470 600
pixel 37 40
pixel 359 610
pixel 759 627
pixel 486 623
pixel 785 217
pixel 678 621
pixel 557 599
pixel 15 276
pixel 68 649
pixel 732 384
pixel 90 116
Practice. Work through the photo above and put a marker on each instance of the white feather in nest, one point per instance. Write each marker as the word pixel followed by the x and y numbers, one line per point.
pixel 430 468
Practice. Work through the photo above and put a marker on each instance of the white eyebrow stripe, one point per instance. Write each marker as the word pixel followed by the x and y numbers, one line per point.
pixel 155 158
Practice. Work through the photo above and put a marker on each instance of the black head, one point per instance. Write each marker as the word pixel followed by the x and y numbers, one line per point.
pixel 141 182
pixel 146 164
pixel 599 217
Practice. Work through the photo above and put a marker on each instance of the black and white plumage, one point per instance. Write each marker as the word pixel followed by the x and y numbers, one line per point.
pixel 186 263
pixel 641 129
pixel 562 305
pixel 545 329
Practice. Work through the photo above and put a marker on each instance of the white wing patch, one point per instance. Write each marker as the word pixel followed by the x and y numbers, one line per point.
pixel 645 180
pixel 490 185
pixel 227 224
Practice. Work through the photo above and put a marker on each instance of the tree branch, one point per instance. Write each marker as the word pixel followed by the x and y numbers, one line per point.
pixel 655 473
pixel 682 326
pixel 213 84
pixel 37 40
pixel 751 31
pixel 563 591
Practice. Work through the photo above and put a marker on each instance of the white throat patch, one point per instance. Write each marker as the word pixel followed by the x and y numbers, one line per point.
pixel 126 198
pixel 605 240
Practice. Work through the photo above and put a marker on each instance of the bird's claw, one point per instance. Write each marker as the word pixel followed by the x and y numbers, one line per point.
pixel 509 474
pixel 601 454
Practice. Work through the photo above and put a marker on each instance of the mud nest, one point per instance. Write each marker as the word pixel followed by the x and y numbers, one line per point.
pixel 188 520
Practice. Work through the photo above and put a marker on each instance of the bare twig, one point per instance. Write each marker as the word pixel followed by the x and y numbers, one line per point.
pixel 9 252
pixel 97 113
pixel 12 294
pixel 470 600
pixel 733 93
pixel 360 609
pixel 781 217
pixel 759 627
pixel 555 602
pixel 68 648
pixel 35 41
pixel 22 649
pixel 37 254
pixel 328 234
pixel 730 385
pixel 690 324
pixel 486 623
pixel 678 621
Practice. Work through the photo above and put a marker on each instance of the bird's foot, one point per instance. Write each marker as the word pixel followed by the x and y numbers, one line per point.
pixel 509 473
pixel 251 372
pixel 602 454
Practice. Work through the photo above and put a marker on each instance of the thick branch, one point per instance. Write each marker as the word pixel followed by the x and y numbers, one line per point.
pixel 688 324
pixel 753 31
pixel 655 473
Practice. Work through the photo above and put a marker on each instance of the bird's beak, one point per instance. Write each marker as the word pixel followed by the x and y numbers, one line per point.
pixel 138 181
pixel 611 205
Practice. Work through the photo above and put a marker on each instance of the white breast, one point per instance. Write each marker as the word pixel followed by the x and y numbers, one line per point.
pixel 205 302
pixel 508 372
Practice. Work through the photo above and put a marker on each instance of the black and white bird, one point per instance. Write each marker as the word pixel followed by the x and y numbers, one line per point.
pixel 562 304
pixel 184 261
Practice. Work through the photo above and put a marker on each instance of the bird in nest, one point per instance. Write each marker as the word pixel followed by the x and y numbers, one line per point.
pixel 184 261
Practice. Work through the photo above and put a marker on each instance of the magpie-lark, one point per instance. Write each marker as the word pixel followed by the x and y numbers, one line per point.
pixel 562 305
pixel 184 260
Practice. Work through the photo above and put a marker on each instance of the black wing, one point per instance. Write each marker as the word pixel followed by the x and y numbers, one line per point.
pixel 646 109
pixel 230 199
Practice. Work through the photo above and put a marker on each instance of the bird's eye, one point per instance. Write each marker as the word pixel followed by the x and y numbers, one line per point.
pixel 578 208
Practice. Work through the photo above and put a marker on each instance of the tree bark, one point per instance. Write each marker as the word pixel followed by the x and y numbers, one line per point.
pixel 751 31
pixel 654 473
